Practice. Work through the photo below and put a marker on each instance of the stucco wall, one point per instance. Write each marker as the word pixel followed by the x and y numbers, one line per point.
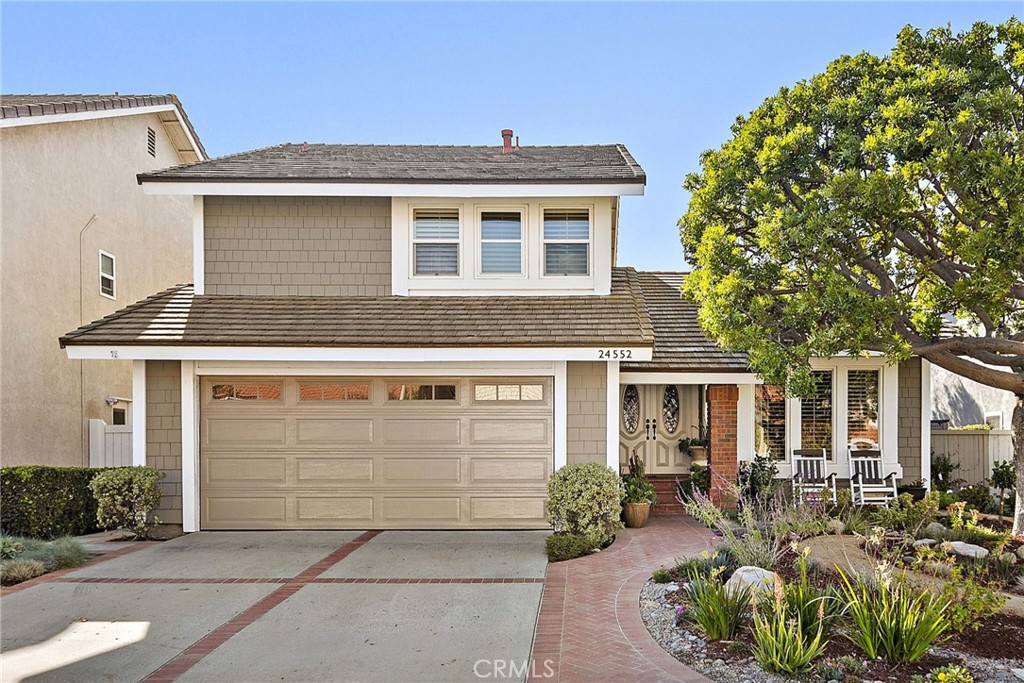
pixel 307 246
pixel 910 419
pixel 68 191
pixel 163 433
pixel 587 413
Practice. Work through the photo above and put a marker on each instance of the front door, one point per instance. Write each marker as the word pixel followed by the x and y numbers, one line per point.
pixel 652 420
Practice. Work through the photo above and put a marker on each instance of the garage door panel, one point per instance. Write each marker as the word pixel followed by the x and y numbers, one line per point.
pixel 505 431
pixel 499 470
pixel 246 470
pixel 222 510
pixel 422 509
pixel 437 431
pixel 486 509
pixel 334 431
pixel 433 470
pixel 332 471
pixel 221 430
pixel 349 509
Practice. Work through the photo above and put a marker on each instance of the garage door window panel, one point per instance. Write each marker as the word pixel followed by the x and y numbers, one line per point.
pixel 422 392
pixel 246 392
pixel 334 392
pixel 508 392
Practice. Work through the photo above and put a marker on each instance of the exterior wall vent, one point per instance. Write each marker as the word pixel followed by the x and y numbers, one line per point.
pixel 151 141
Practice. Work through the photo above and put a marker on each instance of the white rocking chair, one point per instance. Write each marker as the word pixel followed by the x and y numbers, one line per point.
pixel 869 482
pixel 810 475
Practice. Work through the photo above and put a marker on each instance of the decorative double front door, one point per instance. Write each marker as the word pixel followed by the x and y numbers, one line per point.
pixel 652 420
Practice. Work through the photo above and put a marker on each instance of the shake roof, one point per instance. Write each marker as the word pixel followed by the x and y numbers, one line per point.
pixel 20 106
pixel 413 164
pixel 680 344
pixel 177 317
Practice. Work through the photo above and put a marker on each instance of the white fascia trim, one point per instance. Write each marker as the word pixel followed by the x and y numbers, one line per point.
pixel 745 423
pixel 362 354
pixel 390 189
pixel 198 246
pixel 561 395
pixel 139 413
pixel 106 114
pixel 612 415
pixel 189 447
pixel 739 378
pixel 377 369
pixel 926 423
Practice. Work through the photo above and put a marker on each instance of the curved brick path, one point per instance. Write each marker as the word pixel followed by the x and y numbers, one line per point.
pixel 590 628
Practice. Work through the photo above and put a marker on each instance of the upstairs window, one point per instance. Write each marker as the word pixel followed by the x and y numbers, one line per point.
pixel 436 241
pixel 501 242
pixel 566 242
pixel 107 281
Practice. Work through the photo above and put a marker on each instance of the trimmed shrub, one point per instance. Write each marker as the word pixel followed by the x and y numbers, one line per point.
pixel 126 498
pixel 47 502
pixel 16 571
pixel 561 547
pixel 585 500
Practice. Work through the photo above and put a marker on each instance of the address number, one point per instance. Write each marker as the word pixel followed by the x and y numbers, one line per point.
pixel 614 354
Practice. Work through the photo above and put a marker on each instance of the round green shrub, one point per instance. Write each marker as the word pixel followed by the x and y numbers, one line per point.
pixel 585 500
pixel 561 547
pixel 127 497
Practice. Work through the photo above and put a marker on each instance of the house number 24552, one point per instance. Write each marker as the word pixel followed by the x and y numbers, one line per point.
pixel 614 354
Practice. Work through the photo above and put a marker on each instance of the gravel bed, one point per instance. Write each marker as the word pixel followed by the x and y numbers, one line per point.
pixel 689 648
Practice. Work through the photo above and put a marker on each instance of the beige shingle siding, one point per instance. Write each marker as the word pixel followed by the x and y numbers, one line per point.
pixel 587 413
pixel 163 433
pixel 910 418
pixel 305 246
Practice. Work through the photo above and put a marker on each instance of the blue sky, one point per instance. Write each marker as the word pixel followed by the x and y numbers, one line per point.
pixel 665 79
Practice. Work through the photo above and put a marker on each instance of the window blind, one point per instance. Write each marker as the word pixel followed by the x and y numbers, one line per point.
pixel 566 225
pixel 816 415
pixel 862 406
pixel 566 259
pixel 770 421
pixel 501 234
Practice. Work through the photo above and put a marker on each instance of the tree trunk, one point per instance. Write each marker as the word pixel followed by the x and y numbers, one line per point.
pixel 1017 424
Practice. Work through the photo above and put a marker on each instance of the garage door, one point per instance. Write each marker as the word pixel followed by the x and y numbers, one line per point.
pixel 314 453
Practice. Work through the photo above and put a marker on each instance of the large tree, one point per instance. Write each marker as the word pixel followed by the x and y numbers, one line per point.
pixel 878 206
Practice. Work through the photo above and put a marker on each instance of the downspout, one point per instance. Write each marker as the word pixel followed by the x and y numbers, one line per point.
pixel 81 321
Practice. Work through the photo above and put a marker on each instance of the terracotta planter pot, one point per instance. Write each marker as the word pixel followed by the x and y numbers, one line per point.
pixel 636 514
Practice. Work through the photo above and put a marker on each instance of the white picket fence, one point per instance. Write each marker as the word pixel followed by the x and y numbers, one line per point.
pixel 109 445
pixel 976 451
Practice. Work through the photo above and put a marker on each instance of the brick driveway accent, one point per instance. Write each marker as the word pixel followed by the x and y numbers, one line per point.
pixel 590 628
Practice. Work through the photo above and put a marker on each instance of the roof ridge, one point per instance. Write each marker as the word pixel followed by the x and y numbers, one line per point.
pixel 643 313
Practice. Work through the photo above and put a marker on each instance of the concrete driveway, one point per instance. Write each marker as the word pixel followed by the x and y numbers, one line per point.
pixel 286 606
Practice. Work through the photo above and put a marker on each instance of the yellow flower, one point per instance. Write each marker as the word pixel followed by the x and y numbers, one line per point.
pixel 942 676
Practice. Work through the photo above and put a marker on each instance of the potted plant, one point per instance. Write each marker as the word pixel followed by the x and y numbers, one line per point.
pixel 915 488
pixel 640 495
pixel 696 447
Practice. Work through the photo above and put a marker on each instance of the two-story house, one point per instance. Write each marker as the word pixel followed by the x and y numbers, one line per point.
pixel 80 240
pixel 417 336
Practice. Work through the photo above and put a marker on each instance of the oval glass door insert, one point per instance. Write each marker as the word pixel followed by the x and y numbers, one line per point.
pixel 631 409
pixel 670 408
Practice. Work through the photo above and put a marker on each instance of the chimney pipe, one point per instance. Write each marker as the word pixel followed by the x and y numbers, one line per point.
pixel 506 137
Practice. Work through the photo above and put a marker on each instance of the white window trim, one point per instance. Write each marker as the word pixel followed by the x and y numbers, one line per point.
pixel 544 242
pixel 459 243
pixel 524 216
pixel 112 277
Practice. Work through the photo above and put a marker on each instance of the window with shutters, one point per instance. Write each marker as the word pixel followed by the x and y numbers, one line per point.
pixel 770 421
pixel 816 414
pixel 436 240
pixel 566 242
pixel 862 408
pixel 501 242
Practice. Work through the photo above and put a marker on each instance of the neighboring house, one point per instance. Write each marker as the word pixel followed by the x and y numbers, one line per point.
pixel 80 240
pixel 416 337
pixel 958 401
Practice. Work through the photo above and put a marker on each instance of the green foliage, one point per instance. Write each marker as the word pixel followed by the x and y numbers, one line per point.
pixel 705 565
pixel 904 514
pixel 719 612
pixel 638 489
pixel 699 481
pixel 10 547
pixel 891 620
pixel 977 497
pixel 860 208
pixel 47 502
pixel 59 554
pixel 67 552
pixel 16 571
pixel 969 600
pixel 561 547
pixel 754 540
pixel 126 498
pixel 942 471
pixel 950 673
pixel 1004 478
pixel 585 500
pixel 785 643
pixel 966 526
pixel 756 478
pixel 661 575
pixel 815 608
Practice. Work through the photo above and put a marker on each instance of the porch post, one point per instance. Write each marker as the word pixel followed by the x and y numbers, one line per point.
pixel 139 400
pixel 612 415
pixel 723 399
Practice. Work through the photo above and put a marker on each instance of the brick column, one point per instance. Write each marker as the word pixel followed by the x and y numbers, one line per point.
pixel 723 460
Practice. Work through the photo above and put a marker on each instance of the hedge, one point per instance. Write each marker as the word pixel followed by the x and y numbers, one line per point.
pixel 47 502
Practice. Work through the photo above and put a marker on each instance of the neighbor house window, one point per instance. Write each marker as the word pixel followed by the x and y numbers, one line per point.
pixel 862 409
pixel 119 416
pixel 246 392
pixel 770 421
pixel 816 414
pixel 107 284
pixel 436 235
pixel 334 392
pixel 508 392
pixel 566 242
pixel 421 392
pixel 501 242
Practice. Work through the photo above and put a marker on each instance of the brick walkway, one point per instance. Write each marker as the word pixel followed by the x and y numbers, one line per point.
pixel 590 628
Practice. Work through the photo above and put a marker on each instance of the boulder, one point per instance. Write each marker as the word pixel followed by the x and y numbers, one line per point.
pixel 1020 552
pixel 934 530
pixel 926 542
pixel 757 579
pixel 835 527
pixel 967 550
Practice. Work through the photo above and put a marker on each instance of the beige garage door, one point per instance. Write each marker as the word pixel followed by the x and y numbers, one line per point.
pixel 315 453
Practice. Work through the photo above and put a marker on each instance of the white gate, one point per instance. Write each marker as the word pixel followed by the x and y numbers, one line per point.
pixel 109 445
